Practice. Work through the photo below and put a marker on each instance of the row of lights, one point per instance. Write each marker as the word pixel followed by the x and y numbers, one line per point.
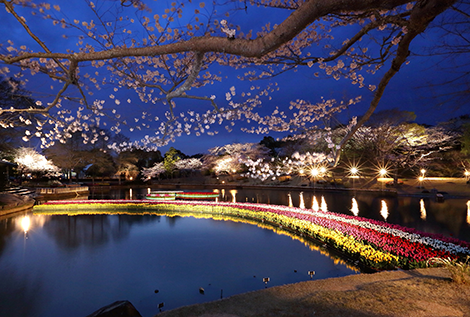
pixel 354 171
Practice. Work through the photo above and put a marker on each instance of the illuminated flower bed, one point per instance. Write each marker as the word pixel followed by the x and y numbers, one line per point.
pixel 197 195
pixel 172 195
pixel 162 195
pixel 375 244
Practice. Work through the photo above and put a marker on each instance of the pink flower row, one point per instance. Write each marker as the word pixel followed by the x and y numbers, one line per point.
pixel 387 242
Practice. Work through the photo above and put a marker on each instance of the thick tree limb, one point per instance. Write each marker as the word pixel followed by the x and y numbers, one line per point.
pixel 310 11
pixel 422 14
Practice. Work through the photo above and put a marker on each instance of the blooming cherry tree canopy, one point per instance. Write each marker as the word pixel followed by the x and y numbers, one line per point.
pixel 90 55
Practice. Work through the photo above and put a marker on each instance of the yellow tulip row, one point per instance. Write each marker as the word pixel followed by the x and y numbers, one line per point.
pixel 347 244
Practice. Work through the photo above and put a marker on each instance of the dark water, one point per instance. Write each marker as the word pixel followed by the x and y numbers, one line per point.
pixel 450 218
pixel 71 266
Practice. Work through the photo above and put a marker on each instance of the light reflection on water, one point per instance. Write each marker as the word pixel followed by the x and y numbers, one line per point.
pixel 302 202
pixel 323 207
pixel 315 206
pixel 468 212
pixel 354 207
pixel 71 266
pixel 51 263
pixel 384 209
pixel 450 218
pixel 422 209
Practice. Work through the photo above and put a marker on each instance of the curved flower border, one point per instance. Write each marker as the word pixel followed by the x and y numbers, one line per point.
pixel 375 244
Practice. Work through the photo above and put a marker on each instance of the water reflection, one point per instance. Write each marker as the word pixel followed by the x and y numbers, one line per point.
pixel 448 218
pixel 384 209
pixel 233 192
pixel 422 209
pixel 315 206
pixel 25 223
pixel 98 259
pixel 323 207
pixel 354 208
pixel 468 212
pixel 302 203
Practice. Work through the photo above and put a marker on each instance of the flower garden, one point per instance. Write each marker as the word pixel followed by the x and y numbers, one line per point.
pixel 375 244
pixel 173 195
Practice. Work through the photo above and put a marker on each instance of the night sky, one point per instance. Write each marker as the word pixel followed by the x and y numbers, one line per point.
pixel 411 89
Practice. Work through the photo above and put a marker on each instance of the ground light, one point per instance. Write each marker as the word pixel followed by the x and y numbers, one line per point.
pixel 420 180
pixel 354 172
pixel 383 173
pixel 314 172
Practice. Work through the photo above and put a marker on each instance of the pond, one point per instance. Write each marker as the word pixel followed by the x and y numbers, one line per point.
pixel 450 218
pixel 71 266
pixel 59 265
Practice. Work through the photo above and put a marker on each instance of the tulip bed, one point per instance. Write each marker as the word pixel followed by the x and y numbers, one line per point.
pixel 166 195
pixel 197 195
pixel 375 244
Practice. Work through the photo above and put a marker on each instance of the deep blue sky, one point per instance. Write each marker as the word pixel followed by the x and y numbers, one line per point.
pixel 408 90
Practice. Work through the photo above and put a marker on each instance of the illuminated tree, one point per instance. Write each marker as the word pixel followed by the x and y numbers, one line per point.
pixel 30 161
pixel 189 164
pixel 170 158
pixel 231 157
pixel 168 54
pixel 126 163
pixel 155 171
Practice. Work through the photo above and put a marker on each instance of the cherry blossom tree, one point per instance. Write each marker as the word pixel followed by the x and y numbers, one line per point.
pixel 231 157
pixel 30 161
pixel 313 165
pixel 154 171
pixel 167 55
pixel 189 164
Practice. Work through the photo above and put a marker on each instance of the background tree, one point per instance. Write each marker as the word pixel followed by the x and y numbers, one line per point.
pixel 126 165
pixel 70 157
pixel 30 161
pixel 101 164
pixel 154 171
pixel 465 145
pixel 231 157
pixel 171 157
pixel 188 166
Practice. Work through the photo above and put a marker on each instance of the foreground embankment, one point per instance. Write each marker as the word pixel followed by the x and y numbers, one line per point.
pixel 417 293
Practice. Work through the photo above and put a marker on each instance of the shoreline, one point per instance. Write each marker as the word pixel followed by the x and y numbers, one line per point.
pixel 450 187
pixel 387 293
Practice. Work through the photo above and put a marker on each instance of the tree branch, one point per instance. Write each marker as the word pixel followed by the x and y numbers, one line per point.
pixel 422 14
